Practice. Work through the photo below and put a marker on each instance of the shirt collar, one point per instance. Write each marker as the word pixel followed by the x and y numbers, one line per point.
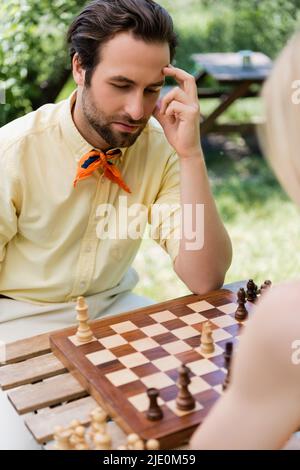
pixel 76 142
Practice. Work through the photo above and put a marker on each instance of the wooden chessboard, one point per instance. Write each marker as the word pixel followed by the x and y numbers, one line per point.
pixel 143 349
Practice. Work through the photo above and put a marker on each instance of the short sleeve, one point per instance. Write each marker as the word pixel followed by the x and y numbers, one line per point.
pixel 165 212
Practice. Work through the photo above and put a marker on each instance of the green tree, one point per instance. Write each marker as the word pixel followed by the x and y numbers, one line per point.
pixel 34 63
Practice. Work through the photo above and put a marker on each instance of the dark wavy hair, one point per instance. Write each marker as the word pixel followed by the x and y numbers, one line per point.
pixel 101 20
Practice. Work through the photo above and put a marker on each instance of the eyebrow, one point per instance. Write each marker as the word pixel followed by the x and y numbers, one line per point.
pixel 120 78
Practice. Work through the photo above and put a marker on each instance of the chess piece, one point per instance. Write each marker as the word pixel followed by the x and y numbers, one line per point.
pixel 241 312
pixel 98 420
pixel 207 342
pixel 227 362
pixel 265 286
pixel 152 444
pixel 77 438
pixel 251 291
pixel 102 441
pixel 184 400
pixel 62 438
pixel 84 333
pixel 154 412
pixel 134 441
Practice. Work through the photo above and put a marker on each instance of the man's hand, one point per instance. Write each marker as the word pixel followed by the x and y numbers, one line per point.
pixel 179 114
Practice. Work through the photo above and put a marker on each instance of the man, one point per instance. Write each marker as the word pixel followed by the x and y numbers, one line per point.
pixel 54 241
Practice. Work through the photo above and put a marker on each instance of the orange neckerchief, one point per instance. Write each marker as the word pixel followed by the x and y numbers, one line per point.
pixel 95 159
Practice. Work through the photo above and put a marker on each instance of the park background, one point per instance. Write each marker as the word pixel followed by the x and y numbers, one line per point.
pixel 263 223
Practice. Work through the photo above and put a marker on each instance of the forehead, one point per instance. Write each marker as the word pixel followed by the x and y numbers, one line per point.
pixel 134 58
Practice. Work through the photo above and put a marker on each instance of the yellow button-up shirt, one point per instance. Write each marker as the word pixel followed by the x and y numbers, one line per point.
pixel 53 246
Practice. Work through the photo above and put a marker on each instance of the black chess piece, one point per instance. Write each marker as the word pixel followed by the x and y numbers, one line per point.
pixel 251 291
pixel 265 286
pixel 184 400
pixel 154 412
pixel 241 312
pixel 227 362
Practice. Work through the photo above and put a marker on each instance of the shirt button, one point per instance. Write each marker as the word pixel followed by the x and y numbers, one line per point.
pixel 82 285
pixel 88 249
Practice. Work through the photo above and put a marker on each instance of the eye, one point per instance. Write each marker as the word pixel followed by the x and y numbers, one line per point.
pixel 153 91
pixel 120 86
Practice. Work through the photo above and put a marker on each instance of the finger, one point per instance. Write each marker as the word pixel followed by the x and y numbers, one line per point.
pixel 176 94
pixel 188 110
pixel 184 79
pixel 176 109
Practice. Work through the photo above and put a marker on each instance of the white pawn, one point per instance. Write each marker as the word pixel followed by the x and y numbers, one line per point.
pixel 131 440
pixel 207 342
pixel 84 333
pixel 78 438
pixel 62 438
pixel 102 441
pixel 98 421
pixel 152 444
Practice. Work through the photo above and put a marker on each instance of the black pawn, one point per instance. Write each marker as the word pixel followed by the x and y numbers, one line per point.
pixel 154 412
pixel 251 291
pixel 184 400
pixel 241 312
pixel 265 286
pixel 227 362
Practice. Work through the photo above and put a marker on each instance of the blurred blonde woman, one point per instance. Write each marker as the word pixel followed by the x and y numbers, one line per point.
pixel 261 407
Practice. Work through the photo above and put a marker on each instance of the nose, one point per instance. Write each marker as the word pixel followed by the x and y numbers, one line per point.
pixel 135 107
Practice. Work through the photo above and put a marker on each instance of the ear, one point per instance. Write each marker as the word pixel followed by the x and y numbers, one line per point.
pixel 78 71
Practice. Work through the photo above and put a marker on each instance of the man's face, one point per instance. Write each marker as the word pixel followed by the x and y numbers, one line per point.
pixel 124 88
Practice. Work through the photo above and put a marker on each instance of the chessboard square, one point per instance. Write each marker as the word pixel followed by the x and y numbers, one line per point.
pixel 123 327
pixel 198 385
pixel 141 402
pixel 101 357
pixel 228 308
pixel 133 360
pixel 121 377
pixel 200 306
pixel 176 347
pixel 173 407
pixel 221 335
pixel 219 389
pixel 113 341
pixel 144 344
pixel 166 363
pixel 223 321
pixel 185 332
pixel 154 330
pixel 164 315
pixel 201 367
pixel 193 318
pixel 159 380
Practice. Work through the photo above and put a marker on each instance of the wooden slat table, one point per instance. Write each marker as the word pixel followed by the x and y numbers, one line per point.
pixel 44 393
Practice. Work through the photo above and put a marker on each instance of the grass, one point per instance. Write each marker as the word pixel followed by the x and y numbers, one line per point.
pixel 263 224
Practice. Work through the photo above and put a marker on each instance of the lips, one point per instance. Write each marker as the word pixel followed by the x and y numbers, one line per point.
pixel 126 127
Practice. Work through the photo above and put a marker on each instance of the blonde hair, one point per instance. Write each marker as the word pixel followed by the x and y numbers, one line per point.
pixel 280 135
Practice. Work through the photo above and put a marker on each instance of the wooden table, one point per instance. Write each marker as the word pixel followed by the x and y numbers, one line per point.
pixel 45 394
pixel 233 81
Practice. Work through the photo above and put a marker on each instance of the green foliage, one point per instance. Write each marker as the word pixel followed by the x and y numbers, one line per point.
pixel 33 56
pixel 232 25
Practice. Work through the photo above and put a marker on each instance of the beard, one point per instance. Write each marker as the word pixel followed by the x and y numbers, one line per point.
pixel 102 123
